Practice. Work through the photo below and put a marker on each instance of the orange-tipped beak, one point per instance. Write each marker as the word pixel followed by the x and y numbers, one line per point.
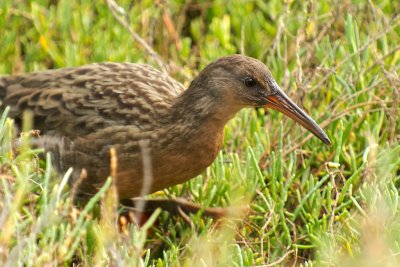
pixel 282 103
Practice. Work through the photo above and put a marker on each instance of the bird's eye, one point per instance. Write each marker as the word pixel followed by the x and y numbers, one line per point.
pixel 249 82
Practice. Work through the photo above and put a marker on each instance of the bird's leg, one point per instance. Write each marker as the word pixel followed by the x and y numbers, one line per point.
pixel 175 206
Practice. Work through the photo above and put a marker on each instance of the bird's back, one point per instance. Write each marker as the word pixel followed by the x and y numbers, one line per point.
pixel 77 101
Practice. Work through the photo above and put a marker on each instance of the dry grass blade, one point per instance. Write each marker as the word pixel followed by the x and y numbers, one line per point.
pixel 123 18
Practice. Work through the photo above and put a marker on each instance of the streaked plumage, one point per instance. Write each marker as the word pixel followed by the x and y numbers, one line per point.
pixel 84 111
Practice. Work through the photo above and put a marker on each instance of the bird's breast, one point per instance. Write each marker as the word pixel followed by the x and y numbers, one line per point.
pixel 171 164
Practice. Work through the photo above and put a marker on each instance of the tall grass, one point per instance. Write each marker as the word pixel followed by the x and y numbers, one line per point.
pixel 311 205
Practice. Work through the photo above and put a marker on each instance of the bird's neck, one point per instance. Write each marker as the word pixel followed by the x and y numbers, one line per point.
pixel 197 116
pixel 197 108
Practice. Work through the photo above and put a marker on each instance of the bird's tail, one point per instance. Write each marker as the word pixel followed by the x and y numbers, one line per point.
pixel 4 83
pixel 3 86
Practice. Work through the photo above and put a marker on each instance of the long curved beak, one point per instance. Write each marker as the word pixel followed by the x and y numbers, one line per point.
pixel 282 103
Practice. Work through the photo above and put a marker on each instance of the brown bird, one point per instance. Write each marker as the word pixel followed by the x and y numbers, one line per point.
pixel 82 112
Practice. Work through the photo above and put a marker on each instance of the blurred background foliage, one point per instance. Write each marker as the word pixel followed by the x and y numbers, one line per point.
pixel 311 204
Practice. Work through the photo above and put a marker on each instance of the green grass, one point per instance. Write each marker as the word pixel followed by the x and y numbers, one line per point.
pixel 311 205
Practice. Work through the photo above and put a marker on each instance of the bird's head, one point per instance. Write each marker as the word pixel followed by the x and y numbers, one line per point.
pixel 246 82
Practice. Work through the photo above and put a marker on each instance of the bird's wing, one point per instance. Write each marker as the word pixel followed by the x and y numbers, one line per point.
pixel 77 101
